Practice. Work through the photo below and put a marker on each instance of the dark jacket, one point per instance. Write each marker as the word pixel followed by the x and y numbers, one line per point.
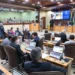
pixel 2 32
pixel 18 50
pixel 36 40
pixel 32 66
pixel 63 37
pixel 51 23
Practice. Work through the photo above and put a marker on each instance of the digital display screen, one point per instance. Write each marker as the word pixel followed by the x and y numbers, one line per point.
pixel 61 15
pixel 66 14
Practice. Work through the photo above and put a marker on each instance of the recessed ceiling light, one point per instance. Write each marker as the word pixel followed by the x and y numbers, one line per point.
pixel 58 2
pixel 27 0
pixel 38 2
pixel 52 0
pixel 71 0
pixel 33 4
pixel 12 0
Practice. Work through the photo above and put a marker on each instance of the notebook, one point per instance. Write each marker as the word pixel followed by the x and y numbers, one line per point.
pixel 57 52
pixel 31 46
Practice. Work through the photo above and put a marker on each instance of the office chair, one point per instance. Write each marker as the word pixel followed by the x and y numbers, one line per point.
pixel 70 51
pixel 40 43
pixel 13 58
pixel 47 73
pixel 56 35
pixel 3 55
pixel 47 36
pixel 25 34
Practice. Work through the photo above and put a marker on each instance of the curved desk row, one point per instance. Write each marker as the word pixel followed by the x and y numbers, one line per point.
pixel 21 26
pixel 70 29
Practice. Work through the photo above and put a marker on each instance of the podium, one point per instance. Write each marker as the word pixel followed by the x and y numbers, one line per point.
pixel 34 27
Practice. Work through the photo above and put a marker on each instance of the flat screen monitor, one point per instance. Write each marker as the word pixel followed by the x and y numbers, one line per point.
pixel 62 15
pixel 66 14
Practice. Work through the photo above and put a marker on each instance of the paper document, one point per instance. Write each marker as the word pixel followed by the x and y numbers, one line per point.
pixel 44 55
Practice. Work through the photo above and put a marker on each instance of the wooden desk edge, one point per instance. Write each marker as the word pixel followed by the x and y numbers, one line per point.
pixel 5 70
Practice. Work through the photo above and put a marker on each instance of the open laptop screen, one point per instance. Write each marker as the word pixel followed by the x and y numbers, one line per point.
pixel 32 44
pixel 58 49
pixel 57 38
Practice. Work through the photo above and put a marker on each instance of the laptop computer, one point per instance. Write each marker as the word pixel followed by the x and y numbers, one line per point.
pixel 56 39
pixel 31 46
pixel 57 52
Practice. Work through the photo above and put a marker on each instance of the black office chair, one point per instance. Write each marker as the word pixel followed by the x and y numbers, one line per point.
pixel 47 36
pixel 13 59
pixel 3 55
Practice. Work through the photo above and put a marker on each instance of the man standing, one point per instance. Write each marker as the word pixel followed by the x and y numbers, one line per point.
pixel 41 24
pixel 51 23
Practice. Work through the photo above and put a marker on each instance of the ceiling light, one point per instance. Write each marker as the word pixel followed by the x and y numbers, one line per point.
pixel 33 4
pixel 71 0
pixel 27 0
pixel 52 0
pixel 38 2
pixel 58 2
pixel 12 0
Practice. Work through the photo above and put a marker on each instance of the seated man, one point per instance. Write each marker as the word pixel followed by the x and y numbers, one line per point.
pixel 18 33
pixel 14 44
pixel 7 40
pixel 63 36
pixel 71 39
pixel 35 38
pixel 36 65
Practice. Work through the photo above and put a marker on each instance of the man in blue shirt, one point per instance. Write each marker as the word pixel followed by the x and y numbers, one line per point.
pixel 35 37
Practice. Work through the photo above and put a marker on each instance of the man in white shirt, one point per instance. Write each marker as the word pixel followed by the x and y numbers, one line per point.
pixel 71 39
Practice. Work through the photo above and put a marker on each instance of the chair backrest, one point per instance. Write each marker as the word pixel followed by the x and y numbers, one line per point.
pixel 47 36
pixel 70 50
pixel 2 53
pixel 12 56
pixel 47 73
pixel 56 35
pixel 40 43
pixel 25 34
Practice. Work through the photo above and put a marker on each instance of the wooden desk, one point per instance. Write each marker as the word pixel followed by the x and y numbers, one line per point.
pixel 51 44
pixel 34 27
pixel 5 70
pixel 56 61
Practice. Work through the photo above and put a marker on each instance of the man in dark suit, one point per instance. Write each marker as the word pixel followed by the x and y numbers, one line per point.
pixel 36 65
pixel 19 52
pixel 63 36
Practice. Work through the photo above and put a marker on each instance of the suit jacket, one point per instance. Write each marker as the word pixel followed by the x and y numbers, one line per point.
pixel 63 37
pixel 18 50
pixel 36 40
pixel 32 66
